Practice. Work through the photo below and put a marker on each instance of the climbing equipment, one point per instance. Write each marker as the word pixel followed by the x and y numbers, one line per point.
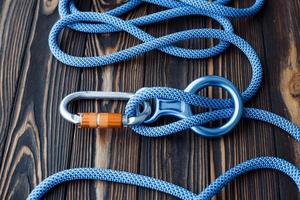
pixel 174 102
pixel 163 186
pixel 92 22
pixel 168 101
pixel 102 120
pixel 163 107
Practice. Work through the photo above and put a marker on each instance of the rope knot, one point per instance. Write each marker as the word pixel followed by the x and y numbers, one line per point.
pixel 174 102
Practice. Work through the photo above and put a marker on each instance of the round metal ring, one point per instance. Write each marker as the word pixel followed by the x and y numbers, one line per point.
pixel 217 81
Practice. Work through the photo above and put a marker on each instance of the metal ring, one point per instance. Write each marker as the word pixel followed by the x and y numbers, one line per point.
pixel 182 110
pixel 218 81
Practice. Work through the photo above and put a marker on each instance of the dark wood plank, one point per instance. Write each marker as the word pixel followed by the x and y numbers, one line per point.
pixel 282 43
pixel 36 142
pixel 39 141
pixel 16 31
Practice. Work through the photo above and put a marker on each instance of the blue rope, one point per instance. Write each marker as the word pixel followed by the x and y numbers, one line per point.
pixel 110 21
pixel 163 186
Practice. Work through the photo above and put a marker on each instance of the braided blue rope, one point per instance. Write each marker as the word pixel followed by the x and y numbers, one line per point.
pixel 224 111
pixel 91 22
pixel 163 186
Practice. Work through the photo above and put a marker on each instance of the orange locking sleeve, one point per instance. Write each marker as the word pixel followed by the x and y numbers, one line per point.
pixel 100 120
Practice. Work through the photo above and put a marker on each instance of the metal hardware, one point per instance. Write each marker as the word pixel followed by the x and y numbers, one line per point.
pixel 76 118
pixel 165 107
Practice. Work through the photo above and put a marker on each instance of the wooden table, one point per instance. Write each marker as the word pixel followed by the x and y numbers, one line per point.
pixel 35 141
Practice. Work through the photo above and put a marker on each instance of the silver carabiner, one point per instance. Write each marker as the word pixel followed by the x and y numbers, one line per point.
pixel 102 120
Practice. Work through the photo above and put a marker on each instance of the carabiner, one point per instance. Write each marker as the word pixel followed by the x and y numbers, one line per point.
pixel 102 120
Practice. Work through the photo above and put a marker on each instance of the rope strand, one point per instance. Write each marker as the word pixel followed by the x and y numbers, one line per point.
pixel 163 186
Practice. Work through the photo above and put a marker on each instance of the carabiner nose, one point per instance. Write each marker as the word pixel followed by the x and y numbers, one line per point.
pixel 102 120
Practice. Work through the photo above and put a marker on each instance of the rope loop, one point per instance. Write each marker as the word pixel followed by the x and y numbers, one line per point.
pixel 174 102
pixel 155 184
pixel 110 21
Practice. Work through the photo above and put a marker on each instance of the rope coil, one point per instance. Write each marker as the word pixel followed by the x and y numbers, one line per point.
pixel 92 22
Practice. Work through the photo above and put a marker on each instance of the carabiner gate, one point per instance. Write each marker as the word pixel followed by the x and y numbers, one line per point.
pixel 102 120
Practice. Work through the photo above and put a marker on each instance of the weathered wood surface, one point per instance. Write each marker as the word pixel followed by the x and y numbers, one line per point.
pixel 36 142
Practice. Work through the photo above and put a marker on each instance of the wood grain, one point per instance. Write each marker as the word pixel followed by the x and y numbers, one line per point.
pixel 36 142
